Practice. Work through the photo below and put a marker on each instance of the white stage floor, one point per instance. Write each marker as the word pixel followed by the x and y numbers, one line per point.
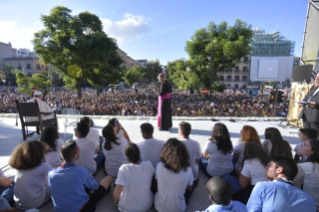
pixel 11 136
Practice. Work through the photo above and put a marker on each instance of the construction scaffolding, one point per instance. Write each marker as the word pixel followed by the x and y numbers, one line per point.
pixel 271 44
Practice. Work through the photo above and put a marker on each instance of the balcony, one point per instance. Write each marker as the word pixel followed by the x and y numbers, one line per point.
pixel 229 79
pixel 244 79
pixel 245 71
pixel 236 80
pixel 237 71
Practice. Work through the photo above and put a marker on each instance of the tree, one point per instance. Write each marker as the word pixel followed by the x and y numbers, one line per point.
pixel 230 43
pixel 26 83
pixel 133 75
pixel 73 44
pixel 181 76
pixel 23 82
pixel 104 74
pixel 41 82
pixel 7 74
pixel 155 68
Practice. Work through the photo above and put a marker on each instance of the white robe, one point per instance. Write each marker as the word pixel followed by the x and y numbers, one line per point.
pixel 44 108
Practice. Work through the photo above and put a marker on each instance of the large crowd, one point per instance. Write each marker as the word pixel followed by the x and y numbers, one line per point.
pixel 253 175
pixel 144 102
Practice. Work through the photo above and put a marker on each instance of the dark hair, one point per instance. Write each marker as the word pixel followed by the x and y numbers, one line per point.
pixel 28 155
pixel 68 150
pixel 175 156
pixel 83 129
pixel 112 122
pixel 49 136
pixel 220 134
pixel 253 150
pixel 311 133
pixel 279 145
pixel 85 120
pixel 132 152
pixel 147 128
pixel 108 134
pixel 186 128
pixel 219 190
pixel 290 169
pixel 314 143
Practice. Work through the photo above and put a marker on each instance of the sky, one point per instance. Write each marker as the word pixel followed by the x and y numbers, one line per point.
pixel 156 29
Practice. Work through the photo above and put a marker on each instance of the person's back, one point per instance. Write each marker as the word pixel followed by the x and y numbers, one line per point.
pixel 171 188
pixel 133 182
pixel 115 157
pixel 192 146
pixel 151 150
pixel 67 187
pixel 279 196
pixel 88 149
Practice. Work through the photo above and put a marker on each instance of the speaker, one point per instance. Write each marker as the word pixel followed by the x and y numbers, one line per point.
pixel 301 73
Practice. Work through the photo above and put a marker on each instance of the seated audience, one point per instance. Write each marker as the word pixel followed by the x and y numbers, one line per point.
pixel 121 132
pixel 5 207
pixel 308 172
pixel 174 176
pixel 6 188
pixel 304 135
pixel 73 189
pixel 91 155
pixel 133 182
pixel 114 150
pixel 254 170
pixel 275 144
pixel 247 134
pixel 50 136
pixel 31 185
pixel 192 146
pixel 219 191
pixel 93 133
pixel 217 158
pixel 151 148
pixel 280 194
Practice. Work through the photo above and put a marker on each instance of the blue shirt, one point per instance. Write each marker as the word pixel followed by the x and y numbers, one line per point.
pixel 279 196
pixel 67 186
pixel 234 206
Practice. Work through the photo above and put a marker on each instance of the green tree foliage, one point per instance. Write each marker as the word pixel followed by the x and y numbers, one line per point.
pixel 182 77
pixel 26 83
pixel 23 82
pixel 41 82
pixel 7 74
pixel 133 75
pixel 155 68
pixel 230 43
pixel 73 44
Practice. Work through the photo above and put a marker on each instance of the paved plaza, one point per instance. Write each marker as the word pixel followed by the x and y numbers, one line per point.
pixel 11 136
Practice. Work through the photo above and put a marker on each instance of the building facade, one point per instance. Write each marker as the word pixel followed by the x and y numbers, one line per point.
pixel 141 62
pixel 28 65
pixel 236 77
pixel 5 52
pixel 130 62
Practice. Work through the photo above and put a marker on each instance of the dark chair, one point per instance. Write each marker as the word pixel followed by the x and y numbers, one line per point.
pixel 31 109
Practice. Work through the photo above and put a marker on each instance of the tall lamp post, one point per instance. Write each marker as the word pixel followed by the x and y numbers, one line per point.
pixel 211 66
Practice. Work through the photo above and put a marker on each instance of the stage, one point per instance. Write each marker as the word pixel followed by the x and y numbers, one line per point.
pixel 11 136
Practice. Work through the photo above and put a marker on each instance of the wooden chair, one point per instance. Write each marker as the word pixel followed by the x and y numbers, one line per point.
pixel 31 109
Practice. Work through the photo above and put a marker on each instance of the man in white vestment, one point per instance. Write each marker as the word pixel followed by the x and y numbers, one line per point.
pixel 43 107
